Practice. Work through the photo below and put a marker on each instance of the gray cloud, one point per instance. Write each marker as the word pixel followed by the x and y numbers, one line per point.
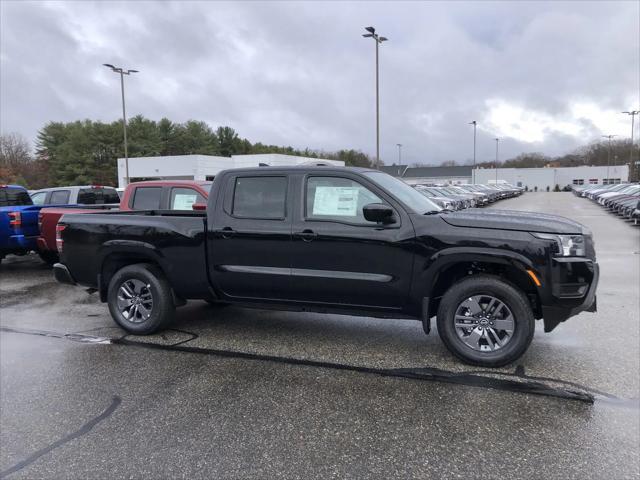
pixel 300 73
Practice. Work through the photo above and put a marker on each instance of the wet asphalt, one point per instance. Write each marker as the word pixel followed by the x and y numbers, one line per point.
pixel 185 404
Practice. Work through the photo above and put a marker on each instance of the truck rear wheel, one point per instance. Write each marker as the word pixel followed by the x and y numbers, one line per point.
pixel 485 321
pixel 140 299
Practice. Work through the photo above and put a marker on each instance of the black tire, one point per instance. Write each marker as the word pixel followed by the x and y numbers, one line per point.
pixel 162 307
pixel 49 257
pixel 506 293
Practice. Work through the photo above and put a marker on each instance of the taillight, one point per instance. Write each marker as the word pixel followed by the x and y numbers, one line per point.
pixel 40 221
pixel 59 242
pixel 15 219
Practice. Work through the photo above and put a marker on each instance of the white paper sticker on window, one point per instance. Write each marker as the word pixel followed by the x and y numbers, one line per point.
pixel 183 201
pixel 336 201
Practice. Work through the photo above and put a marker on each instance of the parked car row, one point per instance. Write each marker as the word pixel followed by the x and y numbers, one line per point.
pixel 622 199
pixel 28 221
pixel 459 197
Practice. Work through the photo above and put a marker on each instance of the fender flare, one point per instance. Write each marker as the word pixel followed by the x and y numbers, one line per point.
pixel 448 257
pixel 136 248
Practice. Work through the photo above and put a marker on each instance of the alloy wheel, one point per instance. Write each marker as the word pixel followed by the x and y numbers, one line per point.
pixel 484 323
pixel 135 301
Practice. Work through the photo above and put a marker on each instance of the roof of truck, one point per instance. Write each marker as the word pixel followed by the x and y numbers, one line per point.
pixel 306 168
pixel 164 183
pixel 68 187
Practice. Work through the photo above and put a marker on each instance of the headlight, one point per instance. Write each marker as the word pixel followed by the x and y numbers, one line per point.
pixel 447 205
pixel 567 245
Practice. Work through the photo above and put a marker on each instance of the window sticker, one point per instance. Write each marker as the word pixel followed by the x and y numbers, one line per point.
pixel 336 201
pixel 184 201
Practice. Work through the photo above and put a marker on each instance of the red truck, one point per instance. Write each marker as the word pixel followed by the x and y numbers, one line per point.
pixel 149 195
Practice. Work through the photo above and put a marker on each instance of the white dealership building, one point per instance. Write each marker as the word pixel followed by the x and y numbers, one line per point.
pixel 204 167
pixel 532 178
pixel 542 179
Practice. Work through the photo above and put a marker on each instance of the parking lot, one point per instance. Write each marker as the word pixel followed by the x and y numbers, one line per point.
pixel 239 393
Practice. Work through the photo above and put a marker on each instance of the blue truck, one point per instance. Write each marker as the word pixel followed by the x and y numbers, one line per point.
pixel 18 221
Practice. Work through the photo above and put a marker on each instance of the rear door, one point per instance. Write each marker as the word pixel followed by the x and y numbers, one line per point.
pixel 249 241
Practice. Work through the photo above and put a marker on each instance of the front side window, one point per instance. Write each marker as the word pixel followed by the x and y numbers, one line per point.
pixel 184 198
pixel 39 198
pixel 260 197
pixel 59 197
pixel 147 198
pixel 340 199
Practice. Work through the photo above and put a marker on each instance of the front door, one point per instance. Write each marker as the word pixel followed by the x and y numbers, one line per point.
pixel 340 258
pixel 249 243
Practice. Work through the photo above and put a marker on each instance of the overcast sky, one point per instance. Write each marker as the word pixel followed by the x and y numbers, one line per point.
pixel 542 76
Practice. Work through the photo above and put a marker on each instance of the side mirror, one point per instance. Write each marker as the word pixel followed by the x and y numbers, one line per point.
pixel 378 212
pixel 199 206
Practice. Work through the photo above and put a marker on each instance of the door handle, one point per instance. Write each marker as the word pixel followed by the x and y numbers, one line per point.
pixel 227 232
pixel 307 235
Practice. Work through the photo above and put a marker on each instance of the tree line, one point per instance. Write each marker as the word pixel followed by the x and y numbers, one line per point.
pixel 85 152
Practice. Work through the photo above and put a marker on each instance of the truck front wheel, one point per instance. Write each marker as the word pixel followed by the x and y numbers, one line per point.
pixel 140 299
pixel 485 321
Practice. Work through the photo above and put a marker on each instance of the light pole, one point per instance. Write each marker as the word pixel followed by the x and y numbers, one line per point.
pixel 497 142
pixel 632 166
pixel 399 153
pixel 473 172
pixel 122 73
pixel 608 155
pixel 378 39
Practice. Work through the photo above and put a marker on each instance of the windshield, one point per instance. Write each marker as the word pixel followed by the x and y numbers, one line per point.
pixel 403 192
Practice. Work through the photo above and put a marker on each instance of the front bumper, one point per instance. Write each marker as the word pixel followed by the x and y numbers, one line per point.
pixel 574 285
pixel 62 275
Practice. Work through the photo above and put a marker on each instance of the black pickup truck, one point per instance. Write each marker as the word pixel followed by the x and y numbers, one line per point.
pixel 339 240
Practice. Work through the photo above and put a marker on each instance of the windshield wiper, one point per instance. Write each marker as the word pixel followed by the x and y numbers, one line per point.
pixel 435 212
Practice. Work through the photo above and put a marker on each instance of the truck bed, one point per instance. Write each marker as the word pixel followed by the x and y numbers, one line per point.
pixel 173 239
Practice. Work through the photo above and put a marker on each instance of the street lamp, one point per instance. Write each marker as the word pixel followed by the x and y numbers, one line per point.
pixel 378 39
pixel 497 142
pixel 399 153
pixel 122 73
pixel 633 114
pixel 473 172
pixel 608 155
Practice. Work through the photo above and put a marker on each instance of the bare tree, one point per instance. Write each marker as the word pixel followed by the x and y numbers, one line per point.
pixel 14 151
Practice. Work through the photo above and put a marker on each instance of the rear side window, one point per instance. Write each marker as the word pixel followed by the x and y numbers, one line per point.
pixel 184 198
pixel 147 198
pixel 12 197
pixel 59 197
pixel 260 197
